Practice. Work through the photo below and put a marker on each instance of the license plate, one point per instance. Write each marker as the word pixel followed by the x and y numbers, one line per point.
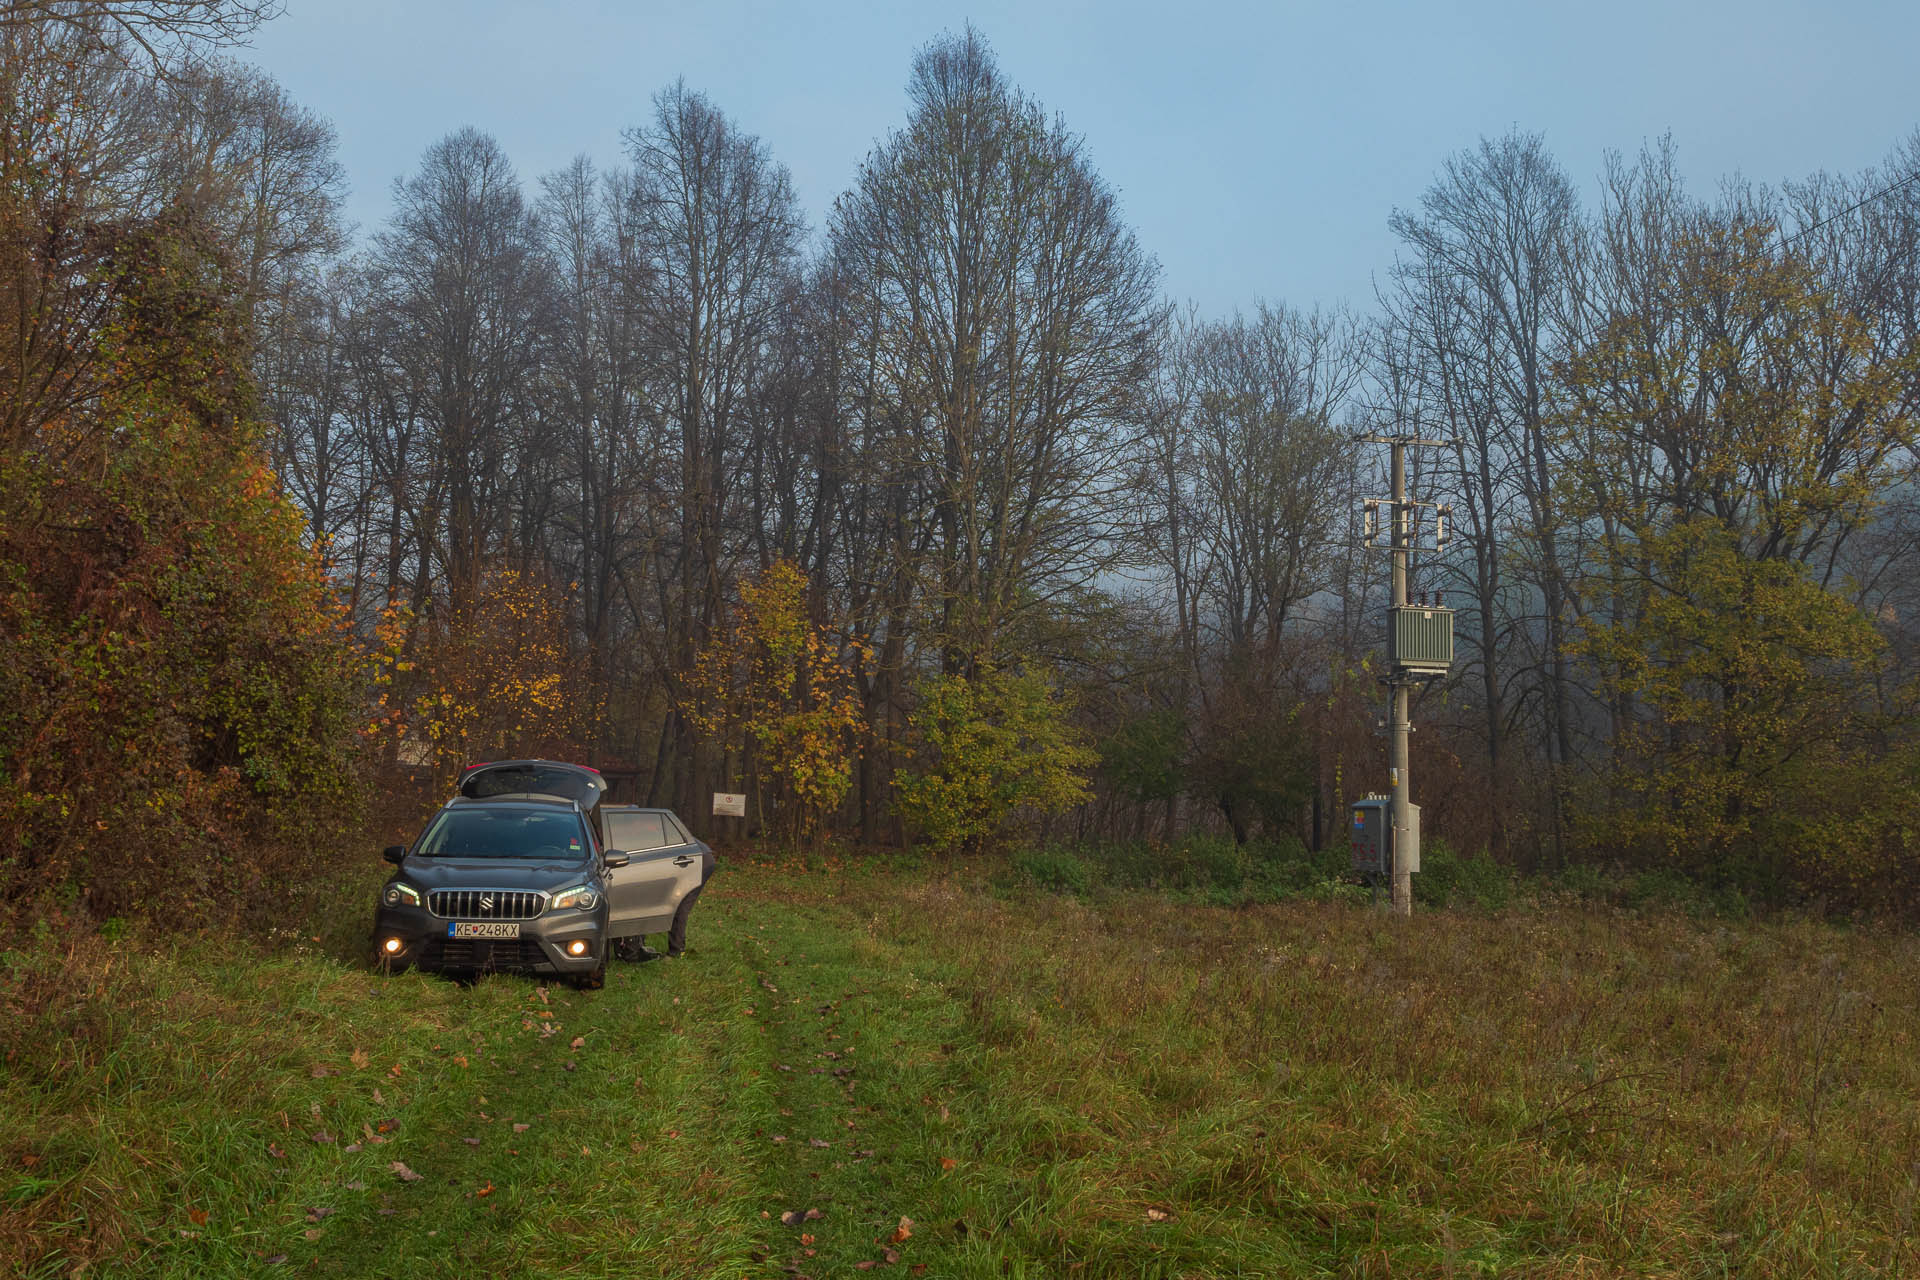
pixel 483 929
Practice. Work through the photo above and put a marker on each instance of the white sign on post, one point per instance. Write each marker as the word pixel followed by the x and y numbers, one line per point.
pixel 728 805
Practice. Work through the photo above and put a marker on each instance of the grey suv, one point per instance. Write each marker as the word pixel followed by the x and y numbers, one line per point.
pixel 511 874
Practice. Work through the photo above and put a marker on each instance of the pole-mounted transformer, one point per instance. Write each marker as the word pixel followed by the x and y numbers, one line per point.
pixel 1419 647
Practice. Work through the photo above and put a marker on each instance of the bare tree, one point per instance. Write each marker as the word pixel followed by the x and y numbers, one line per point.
pixel 464 264
pixel 1478 319
pixel 1016 317
pixel 716 231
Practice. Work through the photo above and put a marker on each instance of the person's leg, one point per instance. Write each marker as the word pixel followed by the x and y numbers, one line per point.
pixel 677 936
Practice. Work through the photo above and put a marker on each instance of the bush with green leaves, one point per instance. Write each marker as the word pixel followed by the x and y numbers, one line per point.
pixel 985 751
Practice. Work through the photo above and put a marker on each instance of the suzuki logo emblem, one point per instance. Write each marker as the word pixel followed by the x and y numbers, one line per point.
pixel 486 902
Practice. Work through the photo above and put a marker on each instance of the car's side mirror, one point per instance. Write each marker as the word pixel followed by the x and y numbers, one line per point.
pixel 614 857
pixel 395 853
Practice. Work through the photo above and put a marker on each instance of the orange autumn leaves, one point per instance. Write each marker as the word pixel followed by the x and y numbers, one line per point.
pixel 787 683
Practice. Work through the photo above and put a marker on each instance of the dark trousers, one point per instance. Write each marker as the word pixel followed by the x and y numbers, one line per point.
pixel 677 936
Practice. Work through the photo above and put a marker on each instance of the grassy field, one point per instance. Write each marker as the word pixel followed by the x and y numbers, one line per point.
pixel 956 1074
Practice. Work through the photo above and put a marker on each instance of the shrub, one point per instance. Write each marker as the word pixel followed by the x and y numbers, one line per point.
pixel 986 749
pixel 178 694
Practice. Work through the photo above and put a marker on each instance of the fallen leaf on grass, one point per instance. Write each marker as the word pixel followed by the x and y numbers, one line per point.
pixel 320 1072
pixel 321 1135
pixel 394 1071
pixel 865 1264
pixel 198 1217
pixel 378 1098
pixel 947 1162
pixel 1156 1214
pixel 889 1256
pixel 779 1137
pixel 816 1142
pixel 317 1212
pixel 355 1185
pixel 273 1149
pixel 313 1233
pixel 806 1238
pixel 485 1191
pixel 901 1232
pixel 578 1042
pixel 405 1174
pixel 359 1059
pixel 472 1142
pixel 276 1259
pixel 350 1148
pixel 459 1059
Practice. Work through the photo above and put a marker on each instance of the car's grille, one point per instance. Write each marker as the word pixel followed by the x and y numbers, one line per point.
pixel 485 904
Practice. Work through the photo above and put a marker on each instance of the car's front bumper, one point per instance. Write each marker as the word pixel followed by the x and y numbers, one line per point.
pixel 424 943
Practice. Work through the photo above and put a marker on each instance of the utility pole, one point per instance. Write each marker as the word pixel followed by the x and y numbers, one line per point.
pixel 1400 696
pixel 1419 646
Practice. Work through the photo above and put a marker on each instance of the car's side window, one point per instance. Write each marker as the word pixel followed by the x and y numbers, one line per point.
pixel 638 832
pixel 676 832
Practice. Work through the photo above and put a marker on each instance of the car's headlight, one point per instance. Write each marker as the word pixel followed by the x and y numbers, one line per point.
pixel 398 893
pixel 581 896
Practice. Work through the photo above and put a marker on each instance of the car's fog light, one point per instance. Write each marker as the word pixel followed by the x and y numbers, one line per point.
pixel 576 948
pixel 391 946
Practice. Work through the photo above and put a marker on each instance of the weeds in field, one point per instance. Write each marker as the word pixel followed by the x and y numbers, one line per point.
pixel 1103 1082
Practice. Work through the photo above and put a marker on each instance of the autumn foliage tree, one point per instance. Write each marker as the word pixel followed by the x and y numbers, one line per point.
pixel 177 694
pixel 786 683
pixel 496 674
pixel 988 750
pixel 1728 454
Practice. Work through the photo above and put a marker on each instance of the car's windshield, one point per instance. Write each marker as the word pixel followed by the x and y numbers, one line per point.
pixel 499 831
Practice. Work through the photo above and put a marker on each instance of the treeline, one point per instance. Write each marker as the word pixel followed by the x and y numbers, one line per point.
pixel 936 516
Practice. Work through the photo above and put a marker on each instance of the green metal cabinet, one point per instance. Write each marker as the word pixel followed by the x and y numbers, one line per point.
pixel 1420 638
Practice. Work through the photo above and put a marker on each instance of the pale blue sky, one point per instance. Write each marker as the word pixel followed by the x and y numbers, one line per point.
pixel 1258 148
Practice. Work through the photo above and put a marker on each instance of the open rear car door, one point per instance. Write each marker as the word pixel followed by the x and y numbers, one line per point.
pixel 663 867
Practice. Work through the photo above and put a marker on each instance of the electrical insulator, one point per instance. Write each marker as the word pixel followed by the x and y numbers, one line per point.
pixel 1370 519
pixel 1440 526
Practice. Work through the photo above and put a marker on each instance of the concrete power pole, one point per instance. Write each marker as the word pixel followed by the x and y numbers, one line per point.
pixel 1401 691
pixel 1419 646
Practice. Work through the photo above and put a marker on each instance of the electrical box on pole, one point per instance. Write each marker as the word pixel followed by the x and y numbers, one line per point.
pixel 1420 639
pixel 1372 838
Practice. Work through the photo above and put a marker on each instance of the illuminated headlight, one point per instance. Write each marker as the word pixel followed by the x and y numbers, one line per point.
pixel 581 896
pixel 398 893
pixel 391 946
pixel 576 948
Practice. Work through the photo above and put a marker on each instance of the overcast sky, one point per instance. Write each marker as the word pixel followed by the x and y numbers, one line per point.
pixel 1258 149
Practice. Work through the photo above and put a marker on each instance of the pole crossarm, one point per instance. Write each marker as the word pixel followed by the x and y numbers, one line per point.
pixel 1409 442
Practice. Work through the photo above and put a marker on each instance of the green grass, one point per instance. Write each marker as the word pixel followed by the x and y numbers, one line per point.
pixel 1045 1085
